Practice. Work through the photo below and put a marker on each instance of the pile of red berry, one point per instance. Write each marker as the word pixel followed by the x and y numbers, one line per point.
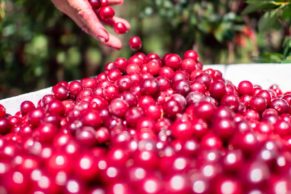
pixel 106 13
pixel 149 125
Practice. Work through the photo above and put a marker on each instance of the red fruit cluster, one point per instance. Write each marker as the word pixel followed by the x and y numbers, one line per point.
pixel 106 13
pixel 149 125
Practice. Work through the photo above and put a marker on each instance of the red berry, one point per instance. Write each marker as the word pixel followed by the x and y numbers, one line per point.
pixel 95 3
pixel 104 3
pixel 86 166
pixel 60 91
pixel 2 111
pixel 173 61
pixel 228 185
pixel 91 118
pixel 280 105
pixel 258 104
pixel 135 43
pixel 106 13
pixel 217 89
pixel 182 129
pixel 211 141
pixel 118 107
pixel 245 88
pixel 35 116
pixel 46 132
pixel 26 107
pixel 4 126
pixel 224 128
pixel 189 64
pixel 120 28
pixel 86 136
pixel 191 54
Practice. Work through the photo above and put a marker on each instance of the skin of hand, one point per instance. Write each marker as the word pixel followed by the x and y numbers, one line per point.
pixel 81 12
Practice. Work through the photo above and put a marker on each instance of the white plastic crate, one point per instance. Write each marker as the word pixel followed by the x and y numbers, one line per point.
pixel 262 74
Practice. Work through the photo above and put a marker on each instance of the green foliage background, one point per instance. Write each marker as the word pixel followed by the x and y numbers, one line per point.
pixel 39 46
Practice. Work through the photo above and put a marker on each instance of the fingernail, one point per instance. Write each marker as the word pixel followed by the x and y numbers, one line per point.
pixel 102 39
pixel 116 48
pixel 104 36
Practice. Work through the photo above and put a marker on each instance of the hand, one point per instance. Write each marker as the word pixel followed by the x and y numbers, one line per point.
pixel 84 16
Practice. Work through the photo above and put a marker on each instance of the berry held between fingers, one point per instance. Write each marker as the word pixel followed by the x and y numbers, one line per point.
pixel 106 13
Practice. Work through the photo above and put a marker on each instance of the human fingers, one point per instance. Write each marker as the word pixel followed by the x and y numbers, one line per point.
pixel 83 14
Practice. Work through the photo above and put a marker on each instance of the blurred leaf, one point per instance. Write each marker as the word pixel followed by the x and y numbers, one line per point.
pixel 269 21
pixel 287 12
pixel 61 57
pixel 281 2
pixel 271 57
pixel 2 10
pixel 287 47
pixel 73 57
pixel 205 26
pixel 38 46
pixel 287 59
pixel 258 5
pixel 223 31
pixel 93 56
pixel 229 17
